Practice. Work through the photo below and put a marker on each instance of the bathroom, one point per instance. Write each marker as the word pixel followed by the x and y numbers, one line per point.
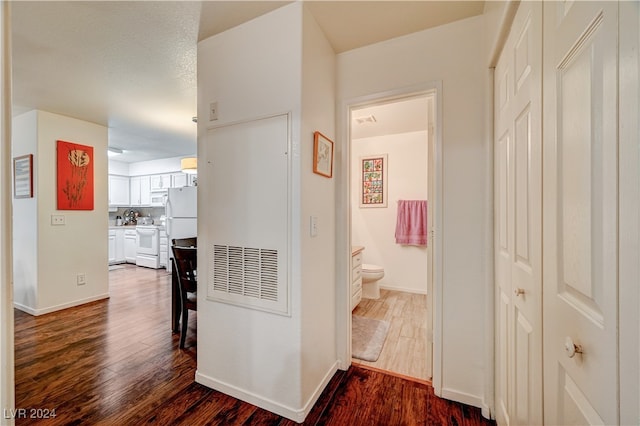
pixel 396 135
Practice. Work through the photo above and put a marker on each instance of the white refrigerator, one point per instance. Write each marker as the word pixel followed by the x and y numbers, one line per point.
pixel 182 216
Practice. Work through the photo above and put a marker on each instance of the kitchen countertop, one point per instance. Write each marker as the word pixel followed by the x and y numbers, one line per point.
pixel 160 227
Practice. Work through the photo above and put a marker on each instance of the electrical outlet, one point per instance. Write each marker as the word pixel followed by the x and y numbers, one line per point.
pixel 213 111
pixel 57 219
pixel 81 279
pixel 313 226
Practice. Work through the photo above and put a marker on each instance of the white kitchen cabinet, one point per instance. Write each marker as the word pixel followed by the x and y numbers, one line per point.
pixel 116 246
pixel 140 191
pixel 164 247
pixel 120 246
pixel 135 191
pixel 118 190
pixel 130 245
pixel 178 180
pixel 160 182
pixel 112 246
pixel 356 277
pixel 145 191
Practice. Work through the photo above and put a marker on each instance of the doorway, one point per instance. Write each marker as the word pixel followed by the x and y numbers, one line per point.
pixel 411 271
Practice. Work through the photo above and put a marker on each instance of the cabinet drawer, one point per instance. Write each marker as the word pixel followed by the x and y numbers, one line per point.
pixel 355 299
pixel 356 273
pixel 356 260
pixel 356 286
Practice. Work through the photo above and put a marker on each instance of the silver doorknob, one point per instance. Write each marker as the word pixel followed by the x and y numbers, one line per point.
pixel 570 348
pixel 518 291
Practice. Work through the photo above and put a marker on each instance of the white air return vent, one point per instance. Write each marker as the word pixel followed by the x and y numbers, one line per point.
pixel 245 276
pixel 247 171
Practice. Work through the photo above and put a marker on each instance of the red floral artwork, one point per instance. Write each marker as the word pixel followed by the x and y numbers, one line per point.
pixel 75 176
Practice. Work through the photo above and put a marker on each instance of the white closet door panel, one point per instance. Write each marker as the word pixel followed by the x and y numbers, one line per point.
pixel 581 211
pixel 503 357
pixel 518 158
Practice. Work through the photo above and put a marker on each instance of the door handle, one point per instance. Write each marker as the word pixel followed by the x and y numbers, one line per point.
pixel 518 291
pixel 570 348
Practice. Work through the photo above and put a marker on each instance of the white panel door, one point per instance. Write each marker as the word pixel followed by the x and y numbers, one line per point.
pixel 518 221
pixel 580 213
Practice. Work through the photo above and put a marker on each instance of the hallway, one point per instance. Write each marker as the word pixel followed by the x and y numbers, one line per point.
pixel 116 362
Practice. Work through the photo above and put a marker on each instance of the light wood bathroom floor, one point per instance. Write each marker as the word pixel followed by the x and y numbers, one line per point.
pixel 405 349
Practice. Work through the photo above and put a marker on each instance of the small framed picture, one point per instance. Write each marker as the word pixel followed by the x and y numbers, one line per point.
pixel 322 155
pixel 23 176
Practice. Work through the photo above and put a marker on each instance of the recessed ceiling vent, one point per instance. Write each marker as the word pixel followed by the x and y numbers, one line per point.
pixel 366 119
pixel 246 276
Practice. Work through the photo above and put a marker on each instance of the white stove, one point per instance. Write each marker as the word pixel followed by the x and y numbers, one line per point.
pixel 148 246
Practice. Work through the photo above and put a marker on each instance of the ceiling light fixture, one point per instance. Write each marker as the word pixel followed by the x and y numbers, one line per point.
pixel 189 165
pixel 112 151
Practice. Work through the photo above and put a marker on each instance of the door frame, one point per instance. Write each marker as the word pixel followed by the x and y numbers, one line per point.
pixel 7 382
pixel 343 223
pixel 629 211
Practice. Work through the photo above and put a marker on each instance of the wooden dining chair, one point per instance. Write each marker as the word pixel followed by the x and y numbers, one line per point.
pixel 185 242
pixel 185 260
pixel 176 307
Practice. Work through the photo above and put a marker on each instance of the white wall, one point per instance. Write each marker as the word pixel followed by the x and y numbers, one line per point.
pixel 164 165
pixel 405 267
pixel 454 55
pixel 62 252
pixel 150 167
pixel 255 71
pixel 317 255
pixel 118 168
pixel 25 216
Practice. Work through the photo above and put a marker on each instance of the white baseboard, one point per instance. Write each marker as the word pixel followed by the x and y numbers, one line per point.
pixel 297 415
pixel 406 290
pixel 465 398
pixel 486 412
pixel 24 308
pixel 42 311
pixel 319 389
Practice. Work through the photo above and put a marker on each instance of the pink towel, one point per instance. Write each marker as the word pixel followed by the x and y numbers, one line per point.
pixel 411 227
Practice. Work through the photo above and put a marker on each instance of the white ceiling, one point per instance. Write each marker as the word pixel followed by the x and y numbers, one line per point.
pixel 390 118
pixel 131 65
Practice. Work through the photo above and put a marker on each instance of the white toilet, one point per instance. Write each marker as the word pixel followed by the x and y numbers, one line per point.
pixel 371 274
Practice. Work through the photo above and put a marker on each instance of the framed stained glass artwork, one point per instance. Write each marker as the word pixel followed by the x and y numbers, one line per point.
pixel 373 181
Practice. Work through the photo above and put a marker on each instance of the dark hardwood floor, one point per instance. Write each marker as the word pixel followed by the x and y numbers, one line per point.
pixel 116 362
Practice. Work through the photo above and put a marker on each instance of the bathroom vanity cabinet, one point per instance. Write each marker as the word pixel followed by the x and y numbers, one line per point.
pixel 356 276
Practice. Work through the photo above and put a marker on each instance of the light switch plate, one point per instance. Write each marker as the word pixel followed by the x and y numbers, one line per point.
pixel 213 111
pixel 313 226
